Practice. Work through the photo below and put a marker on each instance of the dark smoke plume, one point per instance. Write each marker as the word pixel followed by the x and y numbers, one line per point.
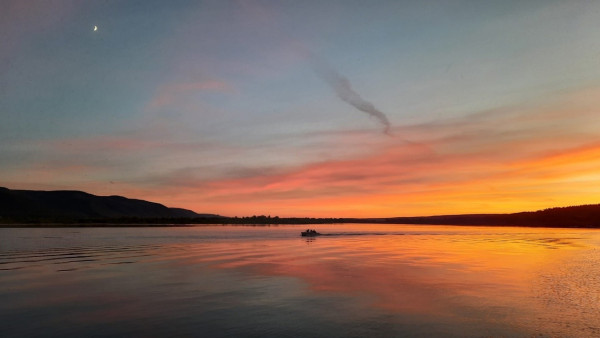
pixel 344 91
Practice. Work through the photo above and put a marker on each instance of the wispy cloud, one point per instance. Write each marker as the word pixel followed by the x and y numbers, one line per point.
pixel 505 160
pixel 516 158
pixel 343 89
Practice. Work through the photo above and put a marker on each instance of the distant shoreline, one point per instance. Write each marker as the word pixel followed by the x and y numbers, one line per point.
pixel 538 219
pixel 46 209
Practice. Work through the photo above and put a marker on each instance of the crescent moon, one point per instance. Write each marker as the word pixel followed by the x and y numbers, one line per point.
pixel 95 28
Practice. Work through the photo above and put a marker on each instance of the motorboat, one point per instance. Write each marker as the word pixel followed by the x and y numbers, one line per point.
pixel 309 233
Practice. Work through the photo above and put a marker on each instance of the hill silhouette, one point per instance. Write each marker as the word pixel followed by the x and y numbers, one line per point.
pixel 31 205
pixel 582 216
pixel 78 207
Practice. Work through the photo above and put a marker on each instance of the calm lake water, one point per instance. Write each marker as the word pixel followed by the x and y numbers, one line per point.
pixel 256 281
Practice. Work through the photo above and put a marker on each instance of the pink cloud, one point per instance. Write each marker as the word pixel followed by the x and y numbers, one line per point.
pixel 507 160
pixel 499 161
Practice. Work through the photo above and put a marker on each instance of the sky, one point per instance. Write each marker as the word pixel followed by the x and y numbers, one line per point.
pixel 305 108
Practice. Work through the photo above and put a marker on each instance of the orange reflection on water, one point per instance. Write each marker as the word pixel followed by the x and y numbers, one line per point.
pixel 463 273
pixel 520 281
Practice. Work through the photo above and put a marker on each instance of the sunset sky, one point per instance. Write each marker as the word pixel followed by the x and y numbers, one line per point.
pixel 305 108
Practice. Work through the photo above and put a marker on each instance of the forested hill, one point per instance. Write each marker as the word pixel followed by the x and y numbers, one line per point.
pixel 57 205
pixel 73 207
pixel 583 216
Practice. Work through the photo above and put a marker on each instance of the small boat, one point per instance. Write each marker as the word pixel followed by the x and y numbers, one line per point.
pixel 309 233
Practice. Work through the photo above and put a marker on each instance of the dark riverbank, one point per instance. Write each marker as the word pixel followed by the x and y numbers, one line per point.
pixel 27 208
pixel 585 216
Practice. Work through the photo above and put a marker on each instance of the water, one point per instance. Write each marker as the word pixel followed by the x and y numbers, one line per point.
pixel 251 281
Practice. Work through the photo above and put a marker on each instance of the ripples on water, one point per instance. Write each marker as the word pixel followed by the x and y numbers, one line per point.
pixel 357 280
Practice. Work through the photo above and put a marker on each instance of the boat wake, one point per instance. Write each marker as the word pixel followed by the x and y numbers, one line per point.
pixel 340 234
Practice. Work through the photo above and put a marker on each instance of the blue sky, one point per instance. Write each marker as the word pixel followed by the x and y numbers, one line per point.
pixel 167 100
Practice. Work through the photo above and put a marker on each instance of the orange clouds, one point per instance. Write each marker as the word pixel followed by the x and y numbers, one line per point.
pixel 500 161
pixel 506 160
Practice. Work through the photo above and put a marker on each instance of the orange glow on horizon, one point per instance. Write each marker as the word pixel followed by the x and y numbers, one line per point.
pixel 562 179
pixel 512 160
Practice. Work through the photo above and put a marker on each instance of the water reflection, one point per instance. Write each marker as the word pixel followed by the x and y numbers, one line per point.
pixel 357 280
